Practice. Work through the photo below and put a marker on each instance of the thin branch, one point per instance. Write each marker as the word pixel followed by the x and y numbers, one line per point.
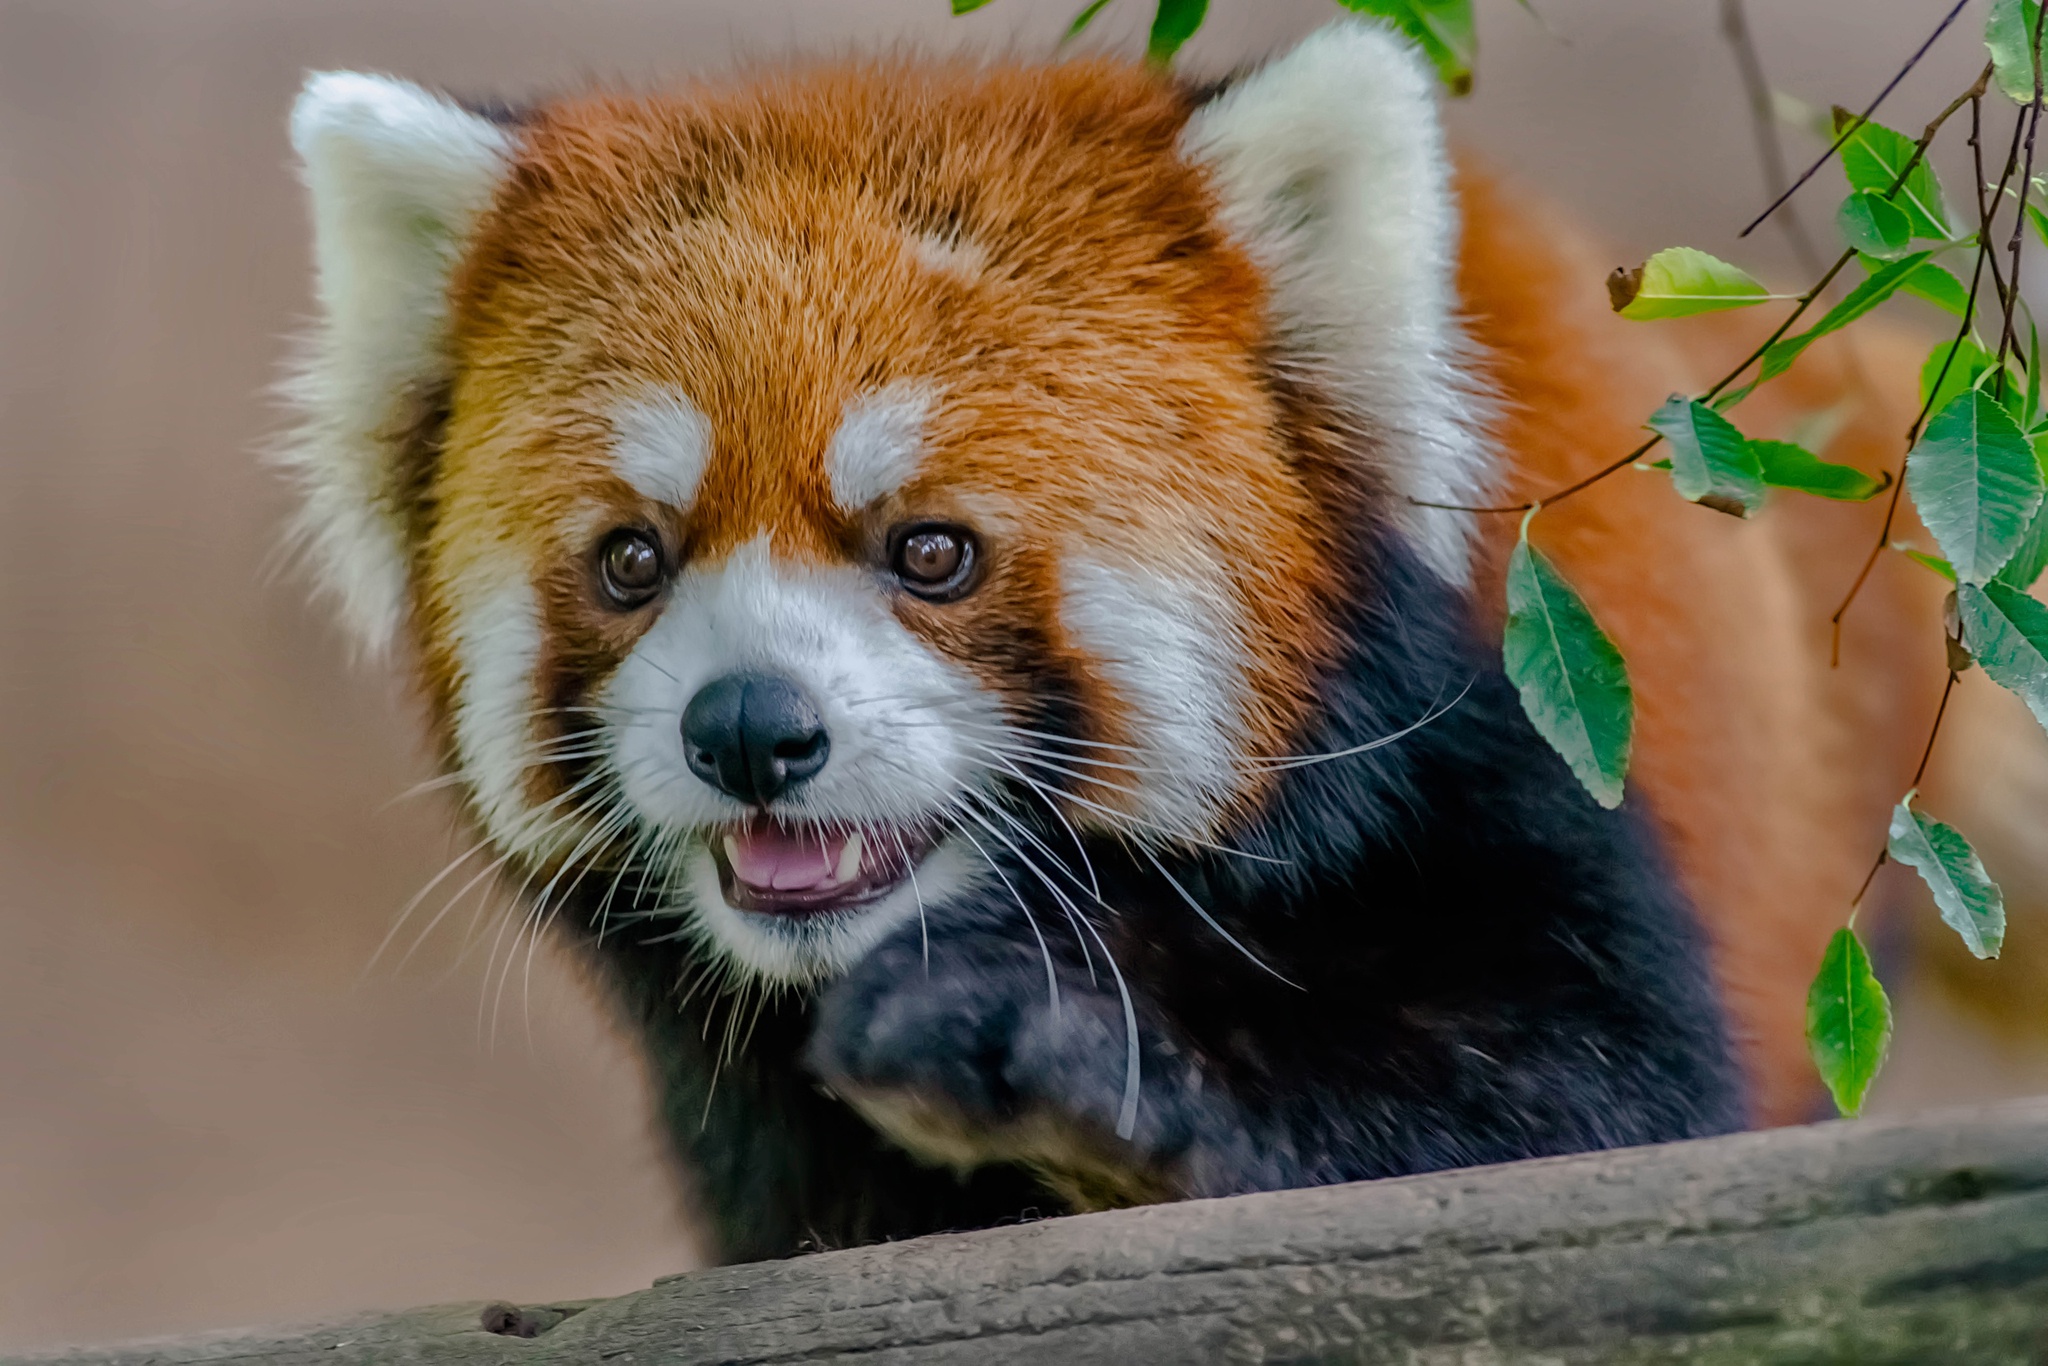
pixel 1933 732
pixel 1986 254
pixel 1861 119
pixel 1919 773
pixel 1805 301
pixel 1987 206
pixel 1763 118
pixel 2019 220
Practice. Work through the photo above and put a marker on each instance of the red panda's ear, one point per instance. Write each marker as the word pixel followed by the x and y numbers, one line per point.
pixel 1332 168
pixel 398 177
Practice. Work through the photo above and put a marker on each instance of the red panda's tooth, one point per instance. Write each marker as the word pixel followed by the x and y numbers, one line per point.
pixel 849 858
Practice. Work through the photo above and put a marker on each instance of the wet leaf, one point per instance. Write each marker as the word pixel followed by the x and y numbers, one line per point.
pixel 1873 226
pixel 1679 281
pixel 1969 902
pixel 1957 365
pixel 1976 484
pixel 1711 462
pixel 1081 20
pixel 1933 282
pixel 1927 561
pixel 1787 466
pixel 1848 1021
pixel 1173 23
pixel 2030 408
pixel 1443 29
pixel 2024 569
pixel 1872 159
pixel 2009 33
pixel 1871 291
pixel 2006 631
pixel 2037 195
pixel 1573 683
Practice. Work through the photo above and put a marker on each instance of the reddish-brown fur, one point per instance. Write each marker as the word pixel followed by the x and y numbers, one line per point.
pixel 1101 385
pixel 1770 771
pixel 753 245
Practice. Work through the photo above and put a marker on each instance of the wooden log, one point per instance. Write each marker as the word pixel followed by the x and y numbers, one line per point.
pixel 1917 1241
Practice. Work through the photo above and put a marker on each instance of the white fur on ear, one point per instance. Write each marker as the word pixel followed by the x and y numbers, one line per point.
pixel 1333 171
pixel 398 177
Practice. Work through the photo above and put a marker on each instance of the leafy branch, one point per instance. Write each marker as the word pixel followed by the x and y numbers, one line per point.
pixel 1974 465
pixel 1442 29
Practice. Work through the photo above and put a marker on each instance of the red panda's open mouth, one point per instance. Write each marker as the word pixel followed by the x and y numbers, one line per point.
pixel 798 870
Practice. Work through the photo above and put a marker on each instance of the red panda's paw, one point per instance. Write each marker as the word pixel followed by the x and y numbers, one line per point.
pixel 975 1063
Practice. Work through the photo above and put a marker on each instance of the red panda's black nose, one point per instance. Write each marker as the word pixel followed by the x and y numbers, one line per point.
pixel 754 736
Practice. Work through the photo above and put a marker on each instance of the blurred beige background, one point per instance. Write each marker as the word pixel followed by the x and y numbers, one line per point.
pixel 210 1111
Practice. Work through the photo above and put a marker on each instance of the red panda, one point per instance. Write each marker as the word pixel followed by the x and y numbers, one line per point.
pixel 924 572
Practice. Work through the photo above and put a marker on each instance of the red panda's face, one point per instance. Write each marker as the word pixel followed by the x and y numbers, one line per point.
pixel 818 470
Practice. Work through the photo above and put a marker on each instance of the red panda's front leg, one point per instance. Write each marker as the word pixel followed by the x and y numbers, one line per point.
pixel 969 1055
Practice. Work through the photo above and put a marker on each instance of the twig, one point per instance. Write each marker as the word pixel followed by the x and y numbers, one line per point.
pixel 2019 220
pixel 1770 148
pixel 1804 302
pixel 1987 207
pixel 1986 211
pixel 1926 756
pixel 1861 119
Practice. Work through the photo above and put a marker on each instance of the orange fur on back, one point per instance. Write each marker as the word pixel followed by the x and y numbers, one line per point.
pixel 1770 771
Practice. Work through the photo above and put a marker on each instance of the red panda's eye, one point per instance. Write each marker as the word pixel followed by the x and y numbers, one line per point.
pixel 934 561
pixel 630 562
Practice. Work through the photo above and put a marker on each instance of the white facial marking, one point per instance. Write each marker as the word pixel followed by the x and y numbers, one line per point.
pixel 878 444
pixel 398 177
pixel 661 442
pixel 1170 645
pixel 906 728
pixel 497 637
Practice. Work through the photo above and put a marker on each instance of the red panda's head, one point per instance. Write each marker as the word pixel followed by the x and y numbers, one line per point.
pixel 778 478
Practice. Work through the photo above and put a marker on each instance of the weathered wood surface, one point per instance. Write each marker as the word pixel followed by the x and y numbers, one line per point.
pixel 1920 1241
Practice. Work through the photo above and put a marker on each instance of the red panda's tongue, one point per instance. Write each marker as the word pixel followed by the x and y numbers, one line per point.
pixel 768 858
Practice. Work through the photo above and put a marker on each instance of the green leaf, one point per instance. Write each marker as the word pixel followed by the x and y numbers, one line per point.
pixel 1573 683
pixel 1848 1021
pixel 1679 281
pixel 1173 23
pixel 1880 285
pixel 1976 484
pixel 2023 570
pixel 1872 159
pixel 1936 284
pixel 1873 226
pixel 1443 29
pixel 2009 35
pixel 2030 408
pixel 2037 195
pixel 2007 632
pixel 1962 372
pixel 967 6
pixel 1925 560
pixel 1081 20
pixel 1786 466
pixel 1711 462
pixel 1969 901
